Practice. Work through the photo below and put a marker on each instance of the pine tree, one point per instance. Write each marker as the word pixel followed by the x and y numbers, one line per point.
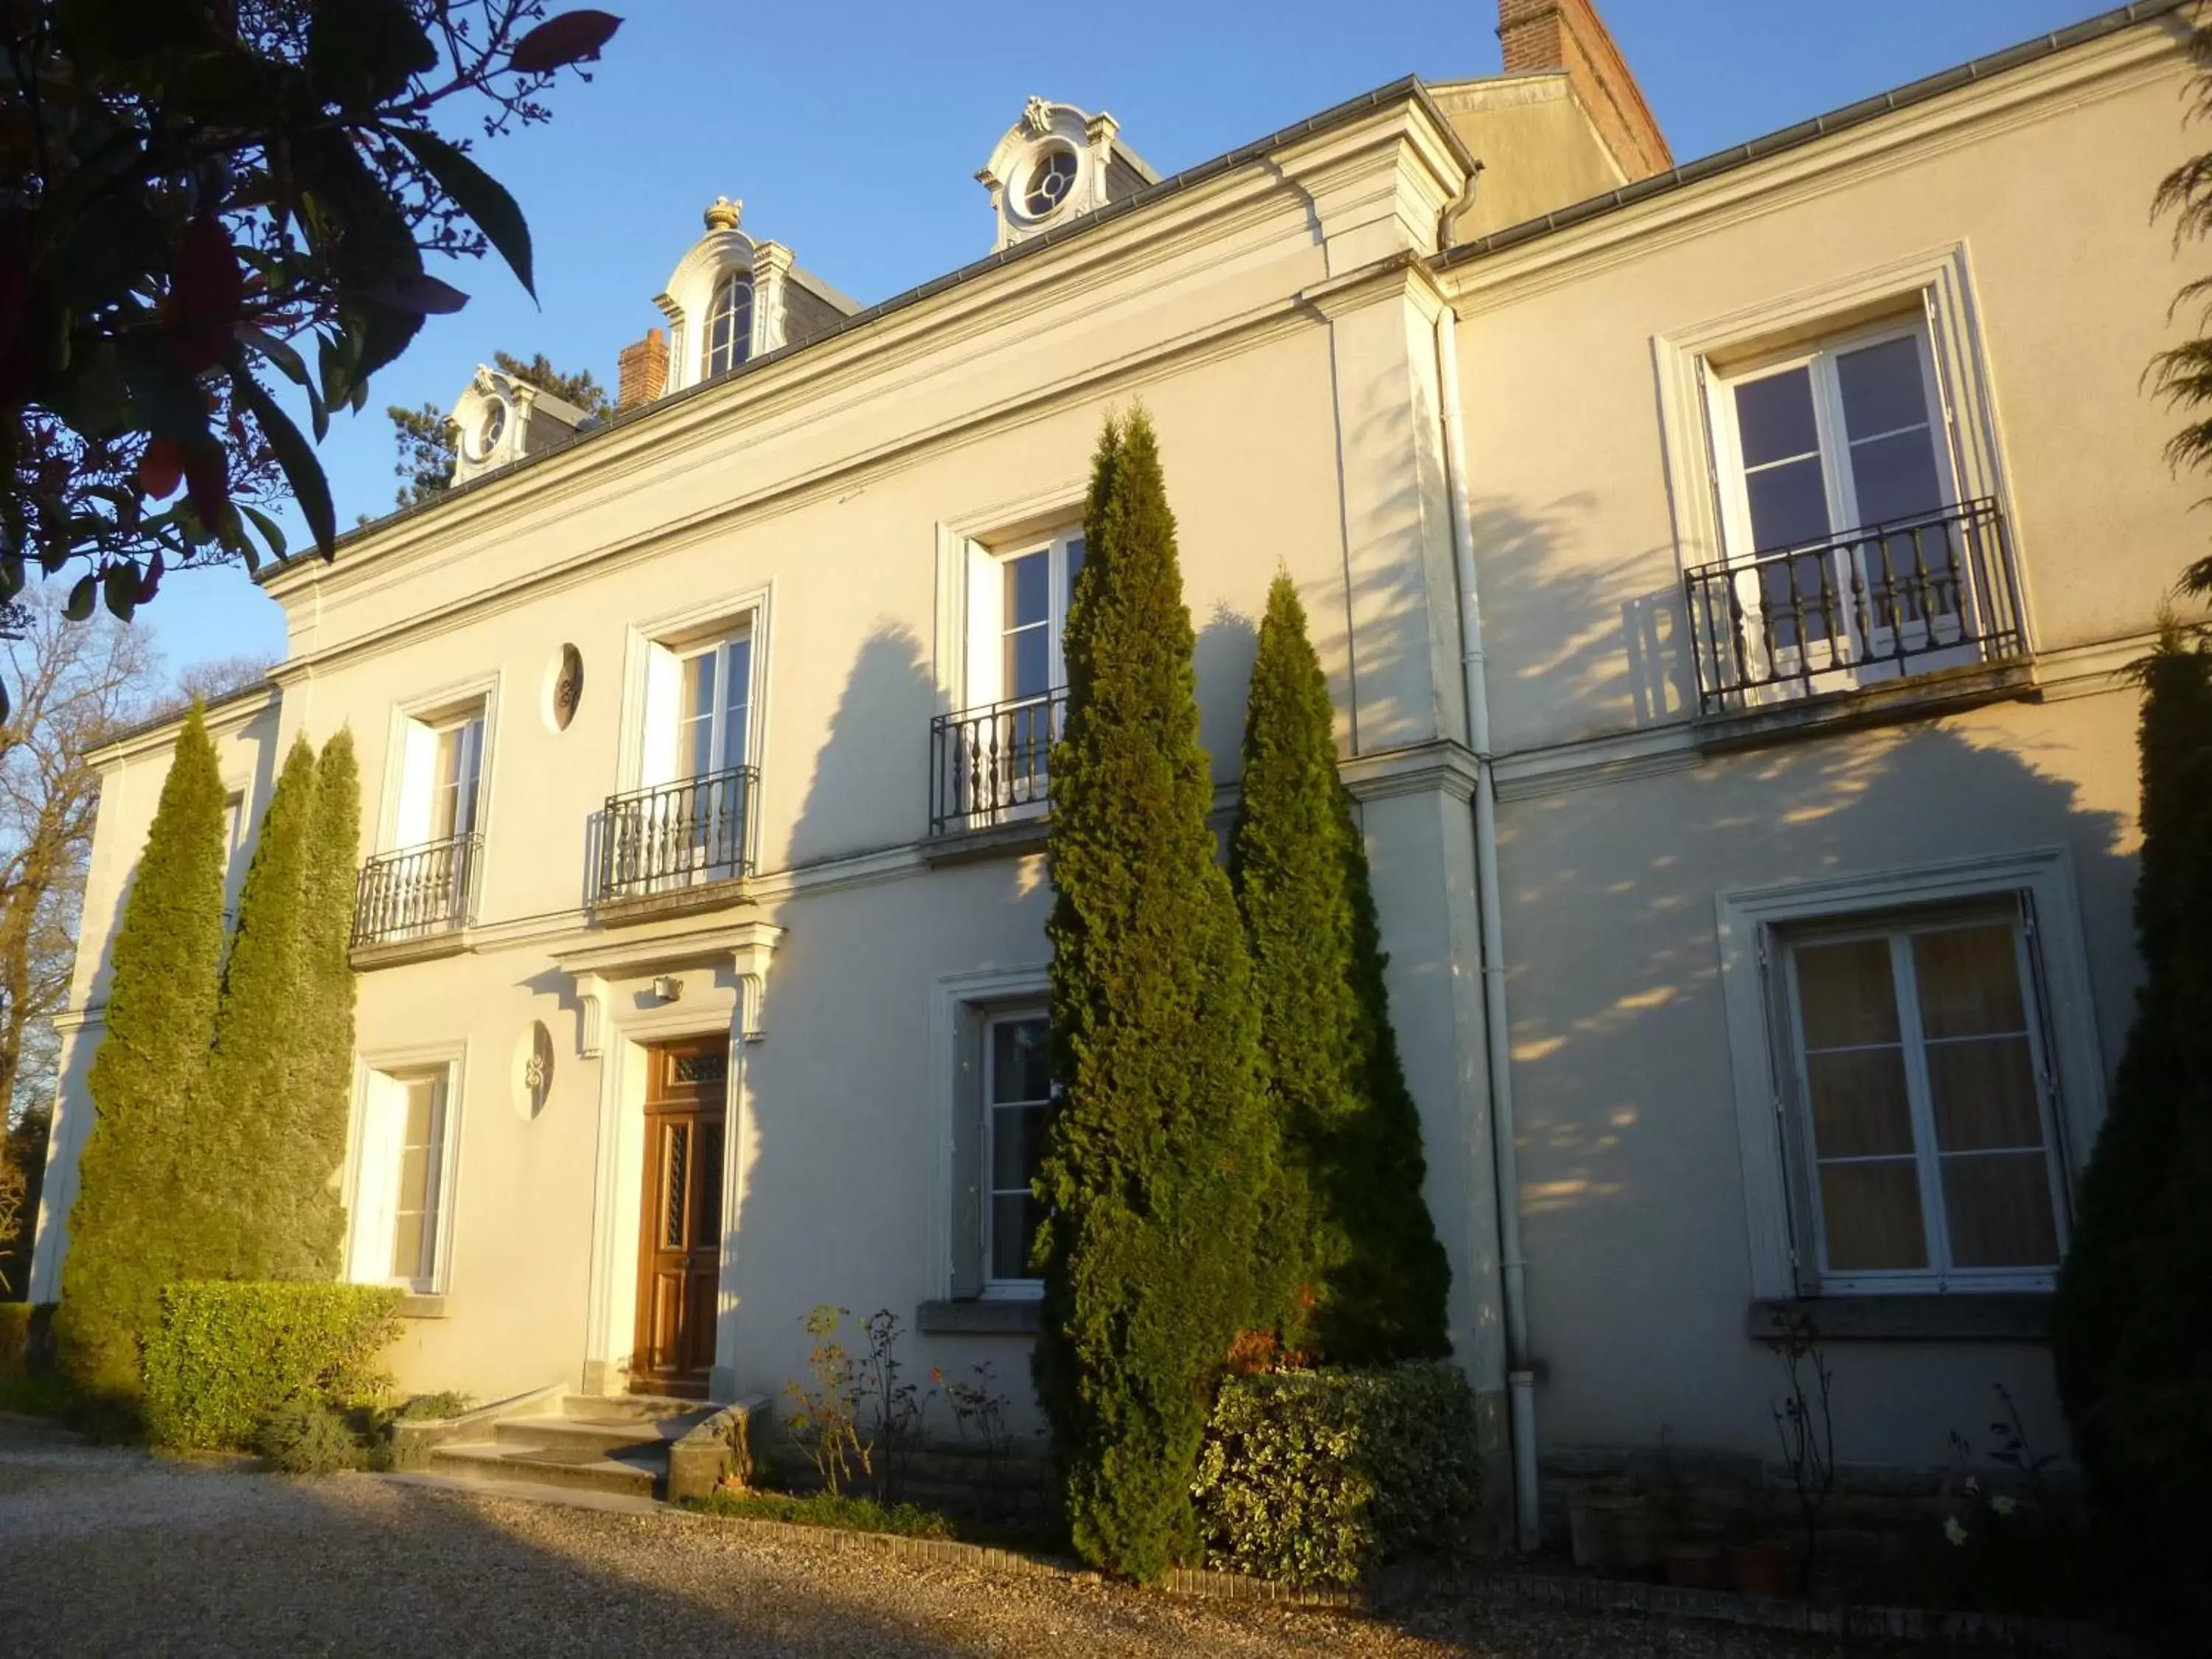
pixel 427 438
pixel 131 1231
pixel 2131 1330
pixel 1367 1276
pixel 1156 1155
pixel 258 1033
pixel 308 1241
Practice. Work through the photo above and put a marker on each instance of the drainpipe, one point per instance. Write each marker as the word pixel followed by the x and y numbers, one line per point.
pixel 1520 1376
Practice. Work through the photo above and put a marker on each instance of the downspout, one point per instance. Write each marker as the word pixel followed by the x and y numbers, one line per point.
pixel 1520 1376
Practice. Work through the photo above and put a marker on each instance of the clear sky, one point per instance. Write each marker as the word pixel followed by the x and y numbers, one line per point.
pixel 851 135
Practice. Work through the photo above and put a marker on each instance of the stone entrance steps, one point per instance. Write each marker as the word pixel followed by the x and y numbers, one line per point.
pixel 614 1447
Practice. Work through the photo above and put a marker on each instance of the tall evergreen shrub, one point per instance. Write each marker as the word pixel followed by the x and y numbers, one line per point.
pixel 1155 1157
pixel 2132 1331
pixel 259 1035
pixel 133 1228
pixel 310 1238
pixel 1370 1278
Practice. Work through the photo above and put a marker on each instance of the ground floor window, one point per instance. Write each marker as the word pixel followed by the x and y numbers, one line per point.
pixel 402 1177
pixel 1017 1093
pixel 1923 1115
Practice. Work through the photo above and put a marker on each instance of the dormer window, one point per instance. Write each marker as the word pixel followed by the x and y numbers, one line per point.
pixel 1050 181
pixel 730 323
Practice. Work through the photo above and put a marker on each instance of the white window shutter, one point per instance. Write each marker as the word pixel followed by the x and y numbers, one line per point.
pixel 471 780
pixel 987 621
pixel 383 1118
pixel 418 778
pixel 663 691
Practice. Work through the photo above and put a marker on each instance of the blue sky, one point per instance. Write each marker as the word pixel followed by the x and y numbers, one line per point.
pixel 853 135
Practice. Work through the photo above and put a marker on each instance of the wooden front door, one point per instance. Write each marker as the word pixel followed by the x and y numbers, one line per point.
pixel 679 1255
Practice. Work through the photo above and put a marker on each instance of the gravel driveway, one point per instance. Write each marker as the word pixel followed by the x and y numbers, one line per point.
pixel 105 1550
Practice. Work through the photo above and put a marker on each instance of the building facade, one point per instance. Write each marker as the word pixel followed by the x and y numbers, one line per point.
pixel 1724 573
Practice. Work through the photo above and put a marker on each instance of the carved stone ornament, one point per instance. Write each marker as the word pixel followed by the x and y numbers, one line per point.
pixel 1036 115
pixel 723 214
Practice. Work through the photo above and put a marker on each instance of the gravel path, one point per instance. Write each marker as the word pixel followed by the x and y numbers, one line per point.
pixel 105 1550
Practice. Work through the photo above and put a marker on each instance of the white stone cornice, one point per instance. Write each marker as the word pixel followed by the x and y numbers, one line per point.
pixel 746 948
pixel 1419 768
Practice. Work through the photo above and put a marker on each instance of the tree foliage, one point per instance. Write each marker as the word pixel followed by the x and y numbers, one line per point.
pixel 136 1225
pixel 429 443
pixel 1348 1224
pixel 198 193
pixel 259 1035
pixel 1158 1150
pixel 319 1100
pixel 2132 1331
pixel 2183 375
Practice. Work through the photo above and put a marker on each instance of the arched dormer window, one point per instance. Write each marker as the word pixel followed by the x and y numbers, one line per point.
pixel 730 323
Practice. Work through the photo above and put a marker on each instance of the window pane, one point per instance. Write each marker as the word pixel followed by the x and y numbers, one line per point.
pixel 1014 1218
pixel 1984 1089
pixel 1998 1206
pixel 1969 981
pixel 699 685
pixel 736 702
pixel 1881 387
pixel 1074 563
pixel 1029 589
pixel 1860 1107
pixel 675 1174
pixel 1847 995
pixel 1870 1216
pixel 1895 478
pixel 1788 504
pixel 1017 1145
pixel 707 1225
pixel 407 1237
pixel 1019 1069
pixel 1774 417
pixel 1029 662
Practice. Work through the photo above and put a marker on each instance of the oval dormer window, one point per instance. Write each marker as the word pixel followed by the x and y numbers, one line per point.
pixel 491 428
pixel 730 324
pixel 1052 177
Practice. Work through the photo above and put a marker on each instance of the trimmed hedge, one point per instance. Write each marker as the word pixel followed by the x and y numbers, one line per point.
pixel 226 1355
pixel 1321 1477
pixel 14 1338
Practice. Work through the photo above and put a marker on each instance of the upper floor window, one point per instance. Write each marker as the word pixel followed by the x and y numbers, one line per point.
pixel 714 708
pixel 690 821
pixel 730 323
pixel 1022 606
pixel 441 779
pixel 1924 1108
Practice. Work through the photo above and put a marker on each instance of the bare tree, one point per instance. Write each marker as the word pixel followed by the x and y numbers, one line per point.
pixel 79 685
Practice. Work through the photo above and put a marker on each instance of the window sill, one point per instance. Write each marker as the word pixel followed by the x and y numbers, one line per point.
pixel 1958 1316
pixel 427 947
pixel 418 1305
pixel 998 841
pixel 1002 1317
pixel 1914 696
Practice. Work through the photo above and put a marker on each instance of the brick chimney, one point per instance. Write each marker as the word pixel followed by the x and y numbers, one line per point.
pixel 642 371
pixel 1545 36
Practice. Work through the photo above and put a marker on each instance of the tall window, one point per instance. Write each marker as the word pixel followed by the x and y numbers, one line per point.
pixel 730 323
pixel 1017 1093
pixel 1028 592
pixel 715 707
pixel 441 790
pixel 399 1189
pixel 1923 1105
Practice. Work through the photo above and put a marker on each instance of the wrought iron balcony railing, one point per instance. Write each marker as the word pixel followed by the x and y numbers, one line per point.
pixel 990 764
pixel 417 892
pixel 1911 596
pixel 675 836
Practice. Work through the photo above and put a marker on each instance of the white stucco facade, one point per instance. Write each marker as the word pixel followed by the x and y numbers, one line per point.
pixel 1340 394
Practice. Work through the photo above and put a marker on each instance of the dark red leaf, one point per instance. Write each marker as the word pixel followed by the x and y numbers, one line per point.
pixel 162 468
pixel 210 284
pixel 571 38
pixel 207 483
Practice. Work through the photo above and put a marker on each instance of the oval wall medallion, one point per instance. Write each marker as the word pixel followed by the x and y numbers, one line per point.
pixel 565 689
pixel 533 1070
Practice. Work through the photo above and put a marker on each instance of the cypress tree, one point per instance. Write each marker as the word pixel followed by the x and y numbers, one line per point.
pixel 309 1242
pixel 1367 1277
pixel 259 1037
pixel 2131 1329
pixel 131 1231
pixel 1157 1152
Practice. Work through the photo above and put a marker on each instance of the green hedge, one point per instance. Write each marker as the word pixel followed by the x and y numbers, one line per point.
pixel 14 1338
pixel 1319 1477
pixel 226 1355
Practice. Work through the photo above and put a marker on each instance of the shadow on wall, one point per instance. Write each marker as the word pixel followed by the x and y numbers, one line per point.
pixel 1223 652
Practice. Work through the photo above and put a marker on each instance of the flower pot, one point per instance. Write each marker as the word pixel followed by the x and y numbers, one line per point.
pixel 1636 1539
pixel 1761 1569
pixel 1594 1528
pixel 1694 1564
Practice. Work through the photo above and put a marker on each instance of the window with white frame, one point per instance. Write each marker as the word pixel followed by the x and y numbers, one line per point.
pixel 402 1177
pixel 1922 1107
pixel 994 752
pixel 1017 1097
pixel 690 820
pixel 441 777
pixel 729 323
